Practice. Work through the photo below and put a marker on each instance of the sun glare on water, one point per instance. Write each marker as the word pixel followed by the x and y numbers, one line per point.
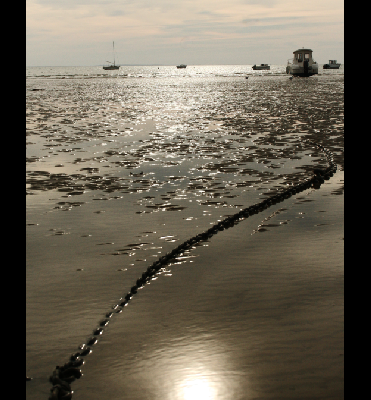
pixel 198 389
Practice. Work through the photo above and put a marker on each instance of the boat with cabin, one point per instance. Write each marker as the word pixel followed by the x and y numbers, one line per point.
pixel 332 64
pixel 302 64
pixel 113 65
pixel 260 67
pixel 181 66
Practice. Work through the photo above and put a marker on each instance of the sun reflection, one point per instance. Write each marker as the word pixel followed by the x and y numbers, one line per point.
pixel 198 389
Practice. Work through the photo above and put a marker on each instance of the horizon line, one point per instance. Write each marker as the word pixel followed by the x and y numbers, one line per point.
pixel 147 65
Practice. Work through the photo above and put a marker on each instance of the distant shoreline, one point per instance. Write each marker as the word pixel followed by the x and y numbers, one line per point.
pixel 142 65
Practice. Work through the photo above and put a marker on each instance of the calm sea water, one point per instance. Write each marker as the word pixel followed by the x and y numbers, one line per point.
pixel 122 167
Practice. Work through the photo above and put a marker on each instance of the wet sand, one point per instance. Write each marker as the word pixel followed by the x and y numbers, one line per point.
pixel 120 172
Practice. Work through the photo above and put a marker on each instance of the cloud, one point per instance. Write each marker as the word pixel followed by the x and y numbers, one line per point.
pixel 270 21
pixel 116 13
pixel 65 26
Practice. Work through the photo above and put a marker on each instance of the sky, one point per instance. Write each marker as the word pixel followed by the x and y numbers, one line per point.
pixel 171 32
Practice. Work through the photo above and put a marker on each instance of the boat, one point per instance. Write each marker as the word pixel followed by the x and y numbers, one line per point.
pixel 261 66
pixel 302 63
pixel 113 65
pixel 332 64
pixel 181 66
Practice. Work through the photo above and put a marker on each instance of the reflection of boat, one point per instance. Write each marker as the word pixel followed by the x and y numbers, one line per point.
pixel 181 66
pixel 332 64
pixel 302 64
pixel 261 66
pixel 113 65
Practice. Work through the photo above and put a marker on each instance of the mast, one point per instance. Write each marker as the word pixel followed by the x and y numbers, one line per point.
pixel 113 46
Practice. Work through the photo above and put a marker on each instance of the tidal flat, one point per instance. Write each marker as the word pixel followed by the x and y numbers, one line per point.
pixel 121 169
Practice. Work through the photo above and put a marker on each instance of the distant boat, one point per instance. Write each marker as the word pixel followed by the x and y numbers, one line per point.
pixel 113 65
pixel 332 64
pixel 181 66
pixel 261 66
pixel 302 64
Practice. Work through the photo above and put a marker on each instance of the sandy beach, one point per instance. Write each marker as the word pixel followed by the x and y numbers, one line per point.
pixel 121 168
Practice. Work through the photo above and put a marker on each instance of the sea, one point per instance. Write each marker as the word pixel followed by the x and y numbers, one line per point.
pixel 122 167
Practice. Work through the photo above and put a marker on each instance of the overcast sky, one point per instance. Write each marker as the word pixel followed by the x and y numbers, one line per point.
pixel 170 32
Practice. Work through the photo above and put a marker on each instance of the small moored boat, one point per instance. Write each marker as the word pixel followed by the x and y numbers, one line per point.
pixel 332 64
pixel 113 65
pixel 110 67
pixel 261 66
pixel 181 66
pixel 302 64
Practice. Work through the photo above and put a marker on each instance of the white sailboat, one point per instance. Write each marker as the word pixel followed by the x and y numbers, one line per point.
pixel 113 65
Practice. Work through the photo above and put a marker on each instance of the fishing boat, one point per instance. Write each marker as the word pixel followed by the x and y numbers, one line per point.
pixel 302 63
pixel 181 66
pixel 261 66
pixel 113 65
pixel 332 64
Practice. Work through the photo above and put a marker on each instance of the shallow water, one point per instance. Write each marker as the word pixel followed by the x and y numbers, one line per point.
pixel 121 169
